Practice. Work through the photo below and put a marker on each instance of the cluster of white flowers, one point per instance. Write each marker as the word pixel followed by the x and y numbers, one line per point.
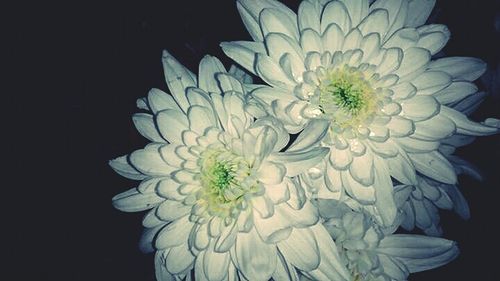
pixel 308 176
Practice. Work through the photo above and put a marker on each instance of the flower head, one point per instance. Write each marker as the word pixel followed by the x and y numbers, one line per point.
pixel 367 68
pixel 372 252
pixel 224 198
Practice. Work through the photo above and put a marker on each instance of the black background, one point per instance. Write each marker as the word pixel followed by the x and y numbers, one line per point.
pixel 79 67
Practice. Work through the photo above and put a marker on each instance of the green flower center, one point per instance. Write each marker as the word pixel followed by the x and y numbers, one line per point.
pixel 225 181
pixel 346 97
pixel 219 177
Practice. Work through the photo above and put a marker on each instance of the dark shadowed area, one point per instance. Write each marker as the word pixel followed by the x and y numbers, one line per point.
pixel 80 67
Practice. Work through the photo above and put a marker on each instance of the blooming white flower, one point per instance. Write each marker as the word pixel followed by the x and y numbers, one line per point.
pixel 368 69
pixel 225 202
pixel 372 252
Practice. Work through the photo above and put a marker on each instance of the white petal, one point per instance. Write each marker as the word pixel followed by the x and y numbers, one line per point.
pixel 174 234
pixel 216 265
pixel 340 158
pixel 285 51
pixel 402 169
pixel 331 265
pixel 274 20
pixel 209 67
pixel 301 249
pixel 469 104
pixel 284 270
pixel 171 124
pixel 307 17
pixel 391 61
pixel 179 259
pixel 363 194
pixel 243 52
pixel 250 11
pixel 404 38
pixel 403 91
pixel 415 60
pixel 312 135
pixel 279 226
pixel 271 172
pixel 415 145
pixel 376 22
pixel 178 79
pixel 171 210
pixel 311 41
pixel 148 161
pixel 161 272
pixel 134 201
pixel 255 259
pixel 158 100
pixel 268 94
pixel 460 68
pixel 278 193
pixel 168 188
pixel 384 192
pixel 361 169
pixel 199 119
pixel 420 108
pixel 336 12
pixel 397 13
pixel 436 128
pixel 433 37
pixel 333 38
pixel 122 166
pixel 400 127
pixel 419 11
pixel 456 91
pixel 370 46
pixel 466 126
pixel 263 206
pixel 352 40
pixel 435 166
pixel 419 252
pixel 226 239
pixel 357 9
pixel 431 82
pixel 272 73
pixel 393 267
pixel 298 162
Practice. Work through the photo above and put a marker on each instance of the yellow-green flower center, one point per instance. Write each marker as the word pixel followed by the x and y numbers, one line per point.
pixel 346 97
pixel 224 180
pixel 219 176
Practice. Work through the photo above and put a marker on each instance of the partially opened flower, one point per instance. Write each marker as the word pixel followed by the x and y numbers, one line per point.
pixel 368 69
pixel 372 252
pixel 225 202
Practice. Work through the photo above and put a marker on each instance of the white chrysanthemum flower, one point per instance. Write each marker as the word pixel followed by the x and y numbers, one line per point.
pixel 368 70
pixel 374 253
pixel 226 204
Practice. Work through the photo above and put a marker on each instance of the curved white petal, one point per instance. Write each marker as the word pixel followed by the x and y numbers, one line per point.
pixel 254 258
pixel 178 79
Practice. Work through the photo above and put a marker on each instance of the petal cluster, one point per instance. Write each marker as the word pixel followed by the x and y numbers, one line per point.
pixel 368 69
pixel 309 176
pixel 223 197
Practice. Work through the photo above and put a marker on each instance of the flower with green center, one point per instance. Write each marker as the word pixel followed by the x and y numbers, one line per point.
pixel 346 98
pixel 224 198
pixel 367 67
